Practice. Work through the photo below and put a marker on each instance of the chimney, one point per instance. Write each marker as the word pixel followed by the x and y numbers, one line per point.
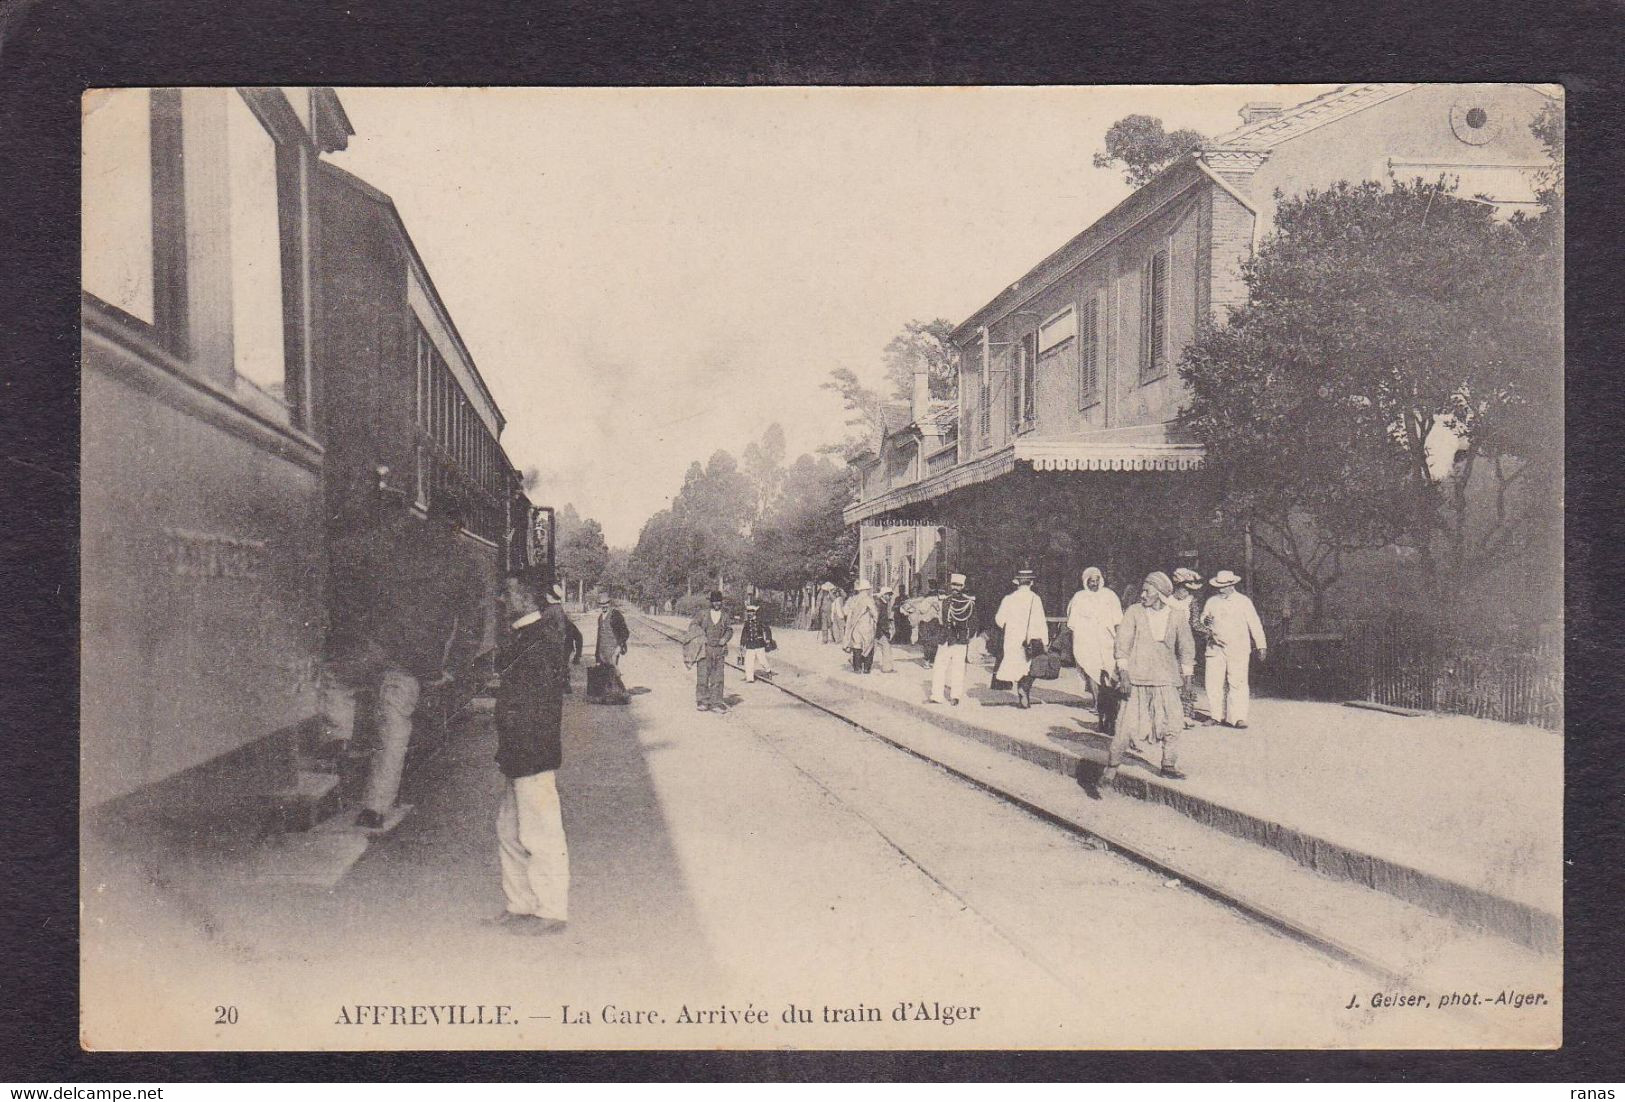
pixel 922 390
pixel 1258 111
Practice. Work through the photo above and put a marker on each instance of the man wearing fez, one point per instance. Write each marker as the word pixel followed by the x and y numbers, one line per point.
pixel 533 672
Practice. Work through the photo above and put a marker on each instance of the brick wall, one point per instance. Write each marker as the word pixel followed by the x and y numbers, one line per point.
pixel 1231 243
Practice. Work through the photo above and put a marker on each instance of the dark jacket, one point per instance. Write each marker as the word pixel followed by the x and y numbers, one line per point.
pixel 617 627
pixel 959 619
pixel 573 640
pixel 403 589
pixel 533 669
pixel 753 634
pixel 715 636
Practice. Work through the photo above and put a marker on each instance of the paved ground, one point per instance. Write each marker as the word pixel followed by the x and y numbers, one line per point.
pixel 1476 801
pixel 723 865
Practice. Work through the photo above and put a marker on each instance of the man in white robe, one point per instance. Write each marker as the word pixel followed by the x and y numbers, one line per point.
pixel 1021 615
pixel 1092 616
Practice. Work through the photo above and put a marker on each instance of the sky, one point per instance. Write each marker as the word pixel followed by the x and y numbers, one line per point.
pixel 647 275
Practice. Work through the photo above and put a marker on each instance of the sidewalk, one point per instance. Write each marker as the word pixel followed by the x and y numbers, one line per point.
pixel 1459 815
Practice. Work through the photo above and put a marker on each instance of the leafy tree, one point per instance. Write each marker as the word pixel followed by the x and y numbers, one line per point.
pixel 1547 128
pixel 763 464
pixel 927 342
pixel 1388 329
pixel 583 555
pixel 1140 146
pixel 863 405
pixel 803 539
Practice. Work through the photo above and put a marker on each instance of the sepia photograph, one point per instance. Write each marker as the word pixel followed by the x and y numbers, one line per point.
pixel 563 568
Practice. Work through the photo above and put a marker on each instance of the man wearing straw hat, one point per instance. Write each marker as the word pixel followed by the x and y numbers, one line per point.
pixel 1026 633
pixel 1234 631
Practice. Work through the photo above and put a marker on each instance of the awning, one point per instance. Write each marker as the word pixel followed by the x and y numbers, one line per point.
pixel 1141 448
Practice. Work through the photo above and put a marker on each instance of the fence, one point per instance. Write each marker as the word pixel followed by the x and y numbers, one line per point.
pixel 1408 667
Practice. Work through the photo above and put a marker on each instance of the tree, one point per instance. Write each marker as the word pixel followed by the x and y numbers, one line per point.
pixel 922 342
pixel 803 539
pixel 863 405
pixel 763 464
pixel 1142 148
pixel 584 553
pixel 1388 331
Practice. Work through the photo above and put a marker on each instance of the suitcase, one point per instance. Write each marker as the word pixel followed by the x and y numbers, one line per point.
pixel 604 685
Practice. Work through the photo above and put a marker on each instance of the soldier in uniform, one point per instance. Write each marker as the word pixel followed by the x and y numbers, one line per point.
pixel 958 625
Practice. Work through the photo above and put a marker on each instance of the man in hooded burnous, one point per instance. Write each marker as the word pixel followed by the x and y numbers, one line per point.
pixel 1156 658
pixel 1092 617
pixel 862 618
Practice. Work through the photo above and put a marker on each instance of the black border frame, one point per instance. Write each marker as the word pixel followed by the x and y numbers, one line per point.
pixel 50 50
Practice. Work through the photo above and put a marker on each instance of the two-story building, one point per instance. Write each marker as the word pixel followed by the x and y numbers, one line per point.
pixel 915 439
pixel 1069 452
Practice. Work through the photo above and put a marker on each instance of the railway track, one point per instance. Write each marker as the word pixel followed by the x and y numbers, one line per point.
pixel 1331 943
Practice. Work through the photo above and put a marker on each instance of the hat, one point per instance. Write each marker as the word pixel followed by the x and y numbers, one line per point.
pixel 956 579
pixel 1025 574
pixel 1224 579
pixel 1159 581
pixel 863 583
pixel 716 595
pixel 1185 576
pixel 603 598
pixel 752 606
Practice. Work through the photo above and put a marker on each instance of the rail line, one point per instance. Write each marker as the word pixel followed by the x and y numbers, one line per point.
pixel 1318 940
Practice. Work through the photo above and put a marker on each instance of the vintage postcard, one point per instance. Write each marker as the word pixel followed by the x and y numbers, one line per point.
pixel 827 568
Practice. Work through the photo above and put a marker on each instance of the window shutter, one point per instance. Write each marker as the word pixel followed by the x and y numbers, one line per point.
pixel 1145 318
pixel 1159 309
pixel 1089 352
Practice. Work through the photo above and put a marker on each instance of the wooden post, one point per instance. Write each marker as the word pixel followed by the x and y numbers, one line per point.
pixel 1247 555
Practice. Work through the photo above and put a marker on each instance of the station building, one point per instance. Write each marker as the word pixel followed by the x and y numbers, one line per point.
pixel 1068 451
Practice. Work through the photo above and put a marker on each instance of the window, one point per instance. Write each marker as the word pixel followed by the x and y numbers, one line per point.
pixel 1154 315
pixel 259 328
pixel 1016 372
pixel 1089 353
pixel 116 251
pixel 985 395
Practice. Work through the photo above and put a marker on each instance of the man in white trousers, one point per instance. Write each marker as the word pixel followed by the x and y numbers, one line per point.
pixel 958 625
pixel 1234 631
pixel 529 714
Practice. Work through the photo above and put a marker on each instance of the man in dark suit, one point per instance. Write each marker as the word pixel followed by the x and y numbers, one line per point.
pixel 708 635
pixel 529 715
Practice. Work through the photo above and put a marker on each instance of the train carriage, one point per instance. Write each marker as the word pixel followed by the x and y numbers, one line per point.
pixel 259 336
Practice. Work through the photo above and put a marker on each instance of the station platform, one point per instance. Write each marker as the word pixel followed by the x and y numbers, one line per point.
pixel 1457 815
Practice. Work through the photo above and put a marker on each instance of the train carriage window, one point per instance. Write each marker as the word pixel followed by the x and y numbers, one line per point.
pixel 259 327
pixel 116 200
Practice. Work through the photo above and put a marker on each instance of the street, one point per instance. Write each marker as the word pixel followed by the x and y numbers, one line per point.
pixel 726 869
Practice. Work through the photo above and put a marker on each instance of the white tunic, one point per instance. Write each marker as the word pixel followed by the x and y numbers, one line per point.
pixel 1234 623
pixel 1021 615
pixel 1093 616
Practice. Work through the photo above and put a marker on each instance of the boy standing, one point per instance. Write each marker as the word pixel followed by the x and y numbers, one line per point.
pixel 755 640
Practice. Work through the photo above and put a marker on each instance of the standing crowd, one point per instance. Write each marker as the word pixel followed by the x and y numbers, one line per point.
pixel 1138 664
